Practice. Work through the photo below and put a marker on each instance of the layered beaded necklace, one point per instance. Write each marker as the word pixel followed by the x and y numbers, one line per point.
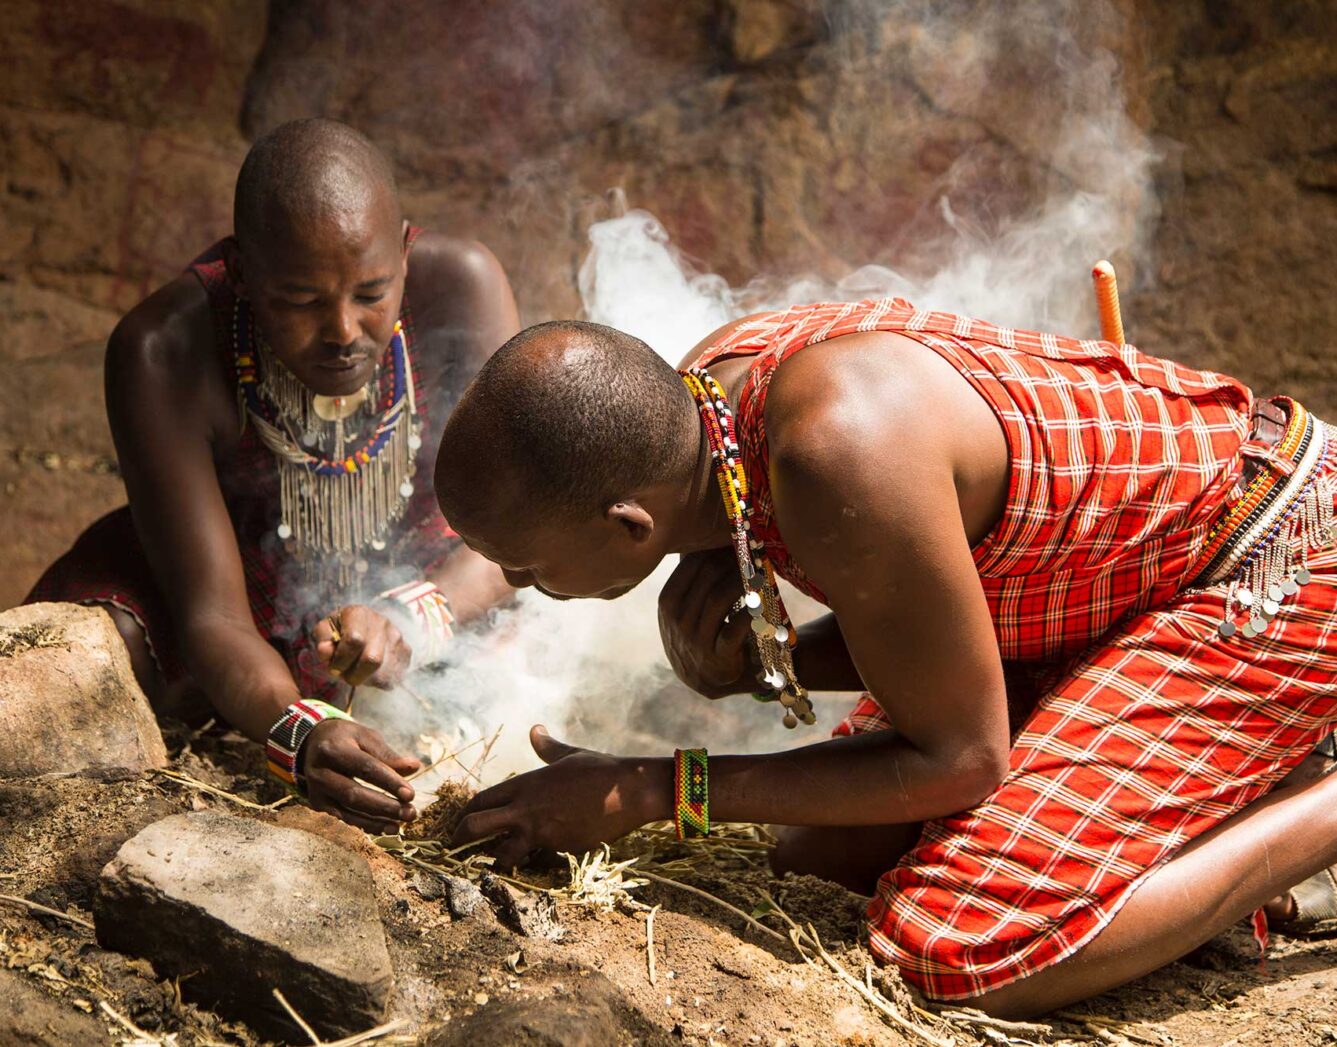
pixel 338 496
pixel 772 630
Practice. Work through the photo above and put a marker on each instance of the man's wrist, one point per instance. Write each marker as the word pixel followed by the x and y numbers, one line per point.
pixel 647 787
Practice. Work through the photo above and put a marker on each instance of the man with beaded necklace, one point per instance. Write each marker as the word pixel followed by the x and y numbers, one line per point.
pixel 280 545
pixel 1089 597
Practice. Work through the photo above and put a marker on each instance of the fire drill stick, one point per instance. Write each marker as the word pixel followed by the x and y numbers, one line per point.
pixel 1107 302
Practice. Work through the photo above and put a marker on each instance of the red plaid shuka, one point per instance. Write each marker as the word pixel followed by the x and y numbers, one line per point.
pixel 1151 728
pixel 106 565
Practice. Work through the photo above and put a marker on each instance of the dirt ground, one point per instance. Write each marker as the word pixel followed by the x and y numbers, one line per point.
pixel 718 979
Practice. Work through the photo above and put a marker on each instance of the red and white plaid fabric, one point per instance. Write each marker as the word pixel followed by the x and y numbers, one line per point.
pixel 1155 729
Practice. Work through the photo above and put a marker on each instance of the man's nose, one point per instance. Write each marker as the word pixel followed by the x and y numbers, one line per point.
pixel 341 327
pixel 518 579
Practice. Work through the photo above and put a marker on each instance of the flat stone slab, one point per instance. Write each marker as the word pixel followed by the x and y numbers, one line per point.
pixel 68 697
pixel 237 908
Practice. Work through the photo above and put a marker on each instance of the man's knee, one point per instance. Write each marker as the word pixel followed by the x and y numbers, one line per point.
pixel 137 646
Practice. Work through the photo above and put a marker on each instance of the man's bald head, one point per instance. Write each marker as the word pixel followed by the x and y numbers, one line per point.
pixel 564 419
pixel 308 171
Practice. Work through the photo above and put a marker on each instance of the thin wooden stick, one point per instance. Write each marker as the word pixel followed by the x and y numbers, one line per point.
pixel 310 1032
pixel 373 1034
pixel 711 898
pixel 194 783
pixel 126 1024
pixel 980 1018
pixel 442 759
pixel 650 943
pixel 14 899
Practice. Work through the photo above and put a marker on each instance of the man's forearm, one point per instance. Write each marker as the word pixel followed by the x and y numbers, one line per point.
pixel 869 779
pixel 472 584
pixel 821 660
pixel 243 677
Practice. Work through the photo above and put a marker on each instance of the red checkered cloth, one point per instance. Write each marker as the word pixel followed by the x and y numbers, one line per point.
pixel 107 565
pixel 1151 729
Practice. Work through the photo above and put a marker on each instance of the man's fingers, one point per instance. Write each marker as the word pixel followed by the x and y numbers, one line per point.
pixel 511 851
pixel 549 749
pixel 484 823
pixel 347 652
pixel 368 664
pixel 340 790
pixel 716 602
pixel 376 826
pixel 681 581
pixel 735 630
pixel 373 764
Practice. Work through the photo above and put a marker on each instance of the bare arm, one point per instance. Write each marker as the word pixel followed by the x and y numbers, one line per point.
pixel 868 502
pixel 469 313
pixel 172 412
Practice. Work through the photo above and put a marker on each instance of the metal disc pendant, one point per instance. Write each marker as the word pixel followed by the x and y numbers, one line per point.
pixel 1248 631
pixel 790 721
pixel 378 544
pixel 1258 625
pixel 1245 597
pixel 1274 592
pixel 1302 576
pixel 337 408
pixel 360 566
pixel 1270 608
pixel 310 437
pixel 415 442
pixel 284 531
pixel 763 628
pixel 1226 629
pixel 406 489
pixel 1290 587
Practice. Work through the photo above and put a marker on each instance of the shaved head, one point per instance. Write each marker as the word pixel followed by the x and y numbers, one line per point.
pixel 306 172
pixel 568 417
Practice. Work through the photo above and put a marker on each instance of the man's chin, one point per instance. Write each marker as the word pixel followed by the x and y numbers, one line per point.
pixel 605 594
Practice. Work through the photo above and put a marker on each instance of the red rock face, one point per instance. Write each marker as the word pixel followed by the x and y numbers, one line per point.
pixel 778 137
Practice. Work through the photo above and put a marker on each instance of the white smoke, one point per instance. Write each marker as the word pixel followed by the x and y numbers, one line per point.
pixel 594 672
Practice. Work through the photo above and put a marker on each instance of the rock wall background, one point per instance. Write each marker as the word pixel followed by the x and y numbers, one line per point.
pixel 770 136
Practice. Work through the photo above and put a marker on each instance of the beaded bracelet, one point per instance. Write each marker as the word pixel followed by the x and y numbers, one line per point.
pixel 691 793
pixel 287 735
pixel 428 622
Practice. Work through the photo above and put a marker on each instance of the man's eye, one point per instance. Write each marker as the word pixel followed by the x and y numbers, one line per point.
pixel 370 299
pixel 299 303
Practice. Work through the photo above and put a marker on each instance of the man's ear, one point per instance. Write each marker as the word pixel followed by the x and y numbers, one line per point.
pixel 405 239
pixel 633 517
pixel 232 263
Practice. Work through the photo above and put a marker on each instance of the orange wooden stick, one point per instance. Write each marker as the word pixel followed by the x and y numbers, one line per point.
pixel 1107 302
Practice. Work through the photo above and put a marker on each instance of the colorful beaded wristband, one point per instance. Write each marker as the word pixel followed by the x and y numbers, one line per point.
pixel 691 793
pixel 426 613
pixel 287 735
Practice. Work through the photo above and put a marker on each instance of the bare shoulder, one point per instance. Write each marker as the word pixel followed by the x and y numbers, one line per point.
pixel 162 357
pixel 447 270
pixel 851 392
pixel 882 419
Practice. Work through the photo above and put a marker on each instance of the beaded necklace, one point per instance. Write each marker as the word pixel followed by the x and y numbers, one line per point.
pixel 335 507
pixel 772 630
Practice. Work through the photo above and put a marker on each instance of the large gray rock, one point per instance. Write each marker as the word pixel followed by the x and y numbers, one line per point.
pixel 68 697
pixel 237 908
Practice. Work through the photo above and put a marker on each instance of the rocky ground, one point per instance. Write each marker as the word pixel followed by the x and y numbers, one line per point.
pixel 162 902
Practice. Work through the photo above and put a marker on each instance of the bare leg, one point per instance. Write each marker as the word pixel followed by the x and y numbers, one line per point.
pixel 1219 879
pixel 853 857
pixel 181 700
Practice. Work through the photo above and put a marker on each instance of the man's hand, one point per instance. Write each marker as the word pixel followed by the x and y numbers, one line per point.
pixel 709 654
pixel 580 800
pixel 336 752
pixel 362 646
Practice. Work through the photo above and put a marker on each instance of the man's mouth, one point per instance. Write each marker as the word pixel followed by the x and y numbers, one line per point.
pixel 344 364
